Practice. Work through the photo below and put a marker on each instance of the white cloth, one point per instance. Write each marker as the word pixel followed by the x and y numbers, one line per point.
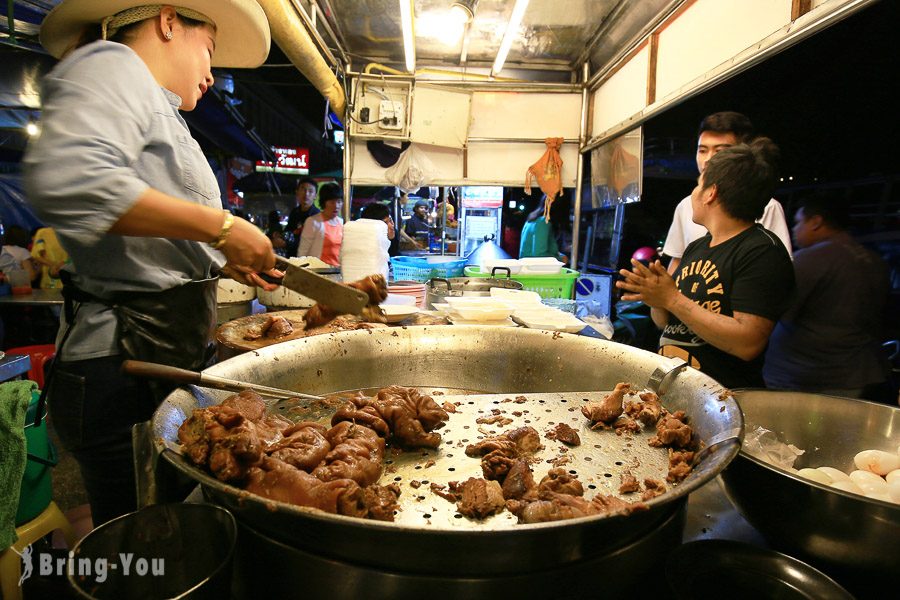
pixel 683 230
pixel 365 249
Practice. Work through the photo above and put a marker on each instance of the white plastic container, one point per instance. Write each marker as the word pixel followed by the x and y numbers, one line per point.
pixel 513 264
pixel 543 265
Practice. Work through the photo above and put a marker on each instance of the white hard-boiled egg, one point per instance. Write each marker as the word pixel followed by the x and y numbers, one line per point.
pixel 869 482
pixel 816 475
pixel 893 476
pixel 894 490
pixel 848 486
pixel 877 461
pixel 835 474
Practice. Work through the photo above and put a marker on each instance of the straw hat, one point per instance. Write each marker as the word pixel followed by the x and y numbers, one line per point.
pixel 242 30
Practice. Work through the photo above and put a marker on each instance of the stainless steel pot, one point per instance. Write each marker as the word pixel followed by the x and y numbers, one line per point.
pixel 439 289
pixel 832 528
pixel 458 358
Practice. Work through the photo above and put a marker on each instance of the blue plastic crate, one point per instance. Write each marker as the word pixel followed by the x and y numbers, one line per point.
pixel 415 268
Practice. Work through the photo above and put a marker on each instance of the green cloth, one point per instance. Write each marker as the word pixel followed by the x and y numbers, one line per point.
pixel 538 240
pixel 15 396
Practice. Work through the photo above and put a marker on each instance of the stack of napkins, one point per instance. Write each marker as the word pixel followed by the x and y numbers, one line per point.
pixel 364 250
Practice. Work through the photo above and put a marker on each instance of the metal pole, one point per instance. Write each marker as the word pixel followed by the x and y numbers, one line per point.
pixel 579 172
pixel 348 160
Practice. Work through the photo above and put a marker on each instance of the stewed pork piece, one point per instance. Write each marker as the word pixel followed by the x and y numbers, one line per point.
pixel 375 287
pixel 478 498
pixel 225 437
pixel 402 414
pixel 671 430
pixel 302 445
pixel 356 454
pixel 277 480
pixel 273 327
pixel 609 409
pixel 512 444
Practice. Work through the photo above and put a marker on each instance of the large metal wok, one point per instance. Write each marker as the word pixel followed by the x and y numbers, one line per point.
pixel 834 529
pixel 457 359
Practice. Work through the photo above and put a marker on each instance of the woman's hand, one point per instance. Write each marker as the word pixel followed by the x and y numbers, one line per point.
pixel 248 247
pixel 247 276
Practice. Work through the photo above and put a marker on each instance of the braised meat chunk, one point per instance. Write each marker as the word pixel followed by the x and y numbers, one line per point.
pixel 404 414
pixel 565 434
pixel 672 431
pixel 273 327
pixel 479 498
pixel 609 409
pixel 224 437
pixel 375 287
pixel 302 445
pixel 280 481
pixel 356 454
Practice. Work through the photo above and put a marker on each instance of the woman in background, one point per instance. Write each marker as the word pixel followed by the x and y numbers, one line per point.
pixel 322 233
pixel 538 237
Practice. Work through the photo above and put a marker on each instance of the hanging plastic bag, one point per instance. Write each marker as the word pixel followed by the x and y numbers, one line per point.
pixel 412 170
pixel 547 171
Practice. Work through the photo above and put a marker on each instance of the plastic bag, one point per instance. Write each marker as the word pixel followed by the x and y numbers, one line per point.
pixel 412 170
pixel 547 171
pixel 764 445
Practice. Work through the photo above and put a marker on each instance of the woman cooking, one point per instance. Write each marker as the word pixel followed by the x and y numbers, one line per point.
pixel 323 233
pixel 116 172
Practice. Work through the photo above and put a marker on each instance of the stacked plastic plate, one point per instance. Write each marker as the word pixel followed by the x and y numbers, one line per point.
pixel 529 310
pixel 411 289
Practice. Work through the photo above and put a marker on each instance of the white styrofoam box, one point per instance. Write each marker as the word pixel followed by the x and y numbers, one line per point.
pixel 544 265
pixel 518 298
pixel 550 319
pixel 513 264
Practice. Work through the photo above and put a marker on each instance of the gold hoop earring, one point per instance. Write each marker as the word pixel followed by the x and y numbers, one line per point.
pixel 169 35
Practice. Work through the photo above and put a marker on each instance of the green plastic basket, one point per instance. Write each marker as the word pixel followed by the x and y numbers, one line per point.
pixel 37 490
pixel 557 285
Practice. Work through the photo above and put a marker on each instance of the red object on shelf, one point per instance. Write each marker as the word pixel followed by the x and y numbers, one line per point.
pixel 39 354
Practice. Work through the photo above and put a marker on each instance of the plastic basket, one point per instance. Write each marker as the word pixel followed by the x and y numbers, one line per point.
pixel 36 491
pixel 557 285
pixel 421 269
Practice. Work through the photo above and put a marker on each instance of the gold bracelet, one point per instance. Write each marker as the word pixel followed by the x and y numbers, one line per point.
pixel 225 231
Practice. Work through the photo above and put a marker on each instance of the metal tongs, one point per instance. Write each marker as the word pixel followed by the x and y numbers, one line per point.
pixel 343 299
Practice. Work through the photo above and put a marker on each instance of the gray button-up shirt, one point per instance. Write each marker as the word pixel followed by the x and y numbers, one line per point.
pixel 108 133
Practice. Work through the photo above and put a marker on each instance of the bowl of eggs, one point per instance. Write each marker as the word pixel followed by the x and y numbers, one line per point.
pixel 826 485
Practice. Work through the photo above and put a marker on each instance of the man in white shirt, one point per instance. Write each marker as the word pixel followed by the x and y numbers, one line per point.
pixel 718 131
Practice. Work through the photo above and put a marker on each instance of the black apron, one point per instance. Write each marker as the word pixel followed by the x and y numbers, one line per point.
pixel 172 327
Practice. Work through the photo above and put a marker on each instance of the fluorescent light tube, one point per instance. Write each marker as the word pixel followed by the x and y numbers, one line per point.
pixel 512 29
pixel 409 34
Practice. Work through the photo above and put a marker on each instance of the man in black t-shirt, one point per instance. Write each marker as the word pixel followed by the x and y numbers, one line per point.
pixel 732 284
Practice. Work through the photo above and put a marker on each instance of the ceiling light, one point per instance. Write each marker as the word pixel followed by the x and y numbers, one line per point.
pixel 512 30
pixel 31 128
pixel 463 10
pixel 409 34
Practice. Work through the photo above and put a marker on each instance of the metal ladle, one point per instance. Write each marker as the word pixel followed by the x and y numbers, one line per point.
pixel 149 370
